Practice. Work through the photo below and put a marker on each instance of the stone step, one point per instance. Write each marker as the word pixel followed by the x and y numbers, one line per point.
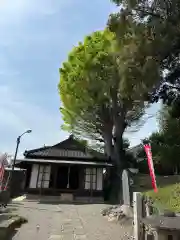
pixel 66 197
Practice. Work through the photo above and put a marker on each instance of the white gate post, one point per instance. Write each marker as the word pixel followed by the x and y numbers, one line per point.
pixel 137 205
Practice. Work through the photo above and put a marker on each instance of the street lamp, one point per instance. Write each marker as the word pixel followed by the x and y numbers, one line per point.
pixel 17 146
pixel 15 155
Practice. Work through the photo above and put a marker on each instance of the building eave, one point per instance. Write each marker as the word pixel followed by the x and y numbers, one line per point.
pixel 74 162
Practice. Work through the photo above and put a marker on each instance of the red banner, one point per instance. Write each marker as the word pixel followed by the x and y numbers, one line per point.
pixel 147 149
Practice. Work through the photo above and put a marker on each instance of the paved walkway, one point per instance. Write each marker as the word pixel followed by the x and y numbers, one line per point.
pixel 68 222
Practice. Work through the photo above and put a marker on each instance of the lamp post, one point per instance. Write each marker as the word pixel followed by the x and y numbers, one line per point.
pixel 15 156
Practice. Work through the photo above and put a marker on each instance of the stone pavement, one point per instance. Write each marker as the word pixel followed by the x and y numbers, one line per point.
pixel 67 222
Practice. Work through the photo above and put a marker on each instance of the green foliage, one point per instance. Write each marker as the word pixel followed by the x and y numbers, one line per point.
pixel 95 91
pixel 167 198
pixel 175 109
pixel 137 55
pixel 126 143
pixel 166 143
pixel 84 85
pixel 130 160
pixel 83 142
pixel 161 21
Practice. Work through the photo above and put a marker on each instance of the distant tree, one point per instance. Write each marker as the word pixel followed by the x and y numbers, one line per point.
pixel 166 144
pixel 4 158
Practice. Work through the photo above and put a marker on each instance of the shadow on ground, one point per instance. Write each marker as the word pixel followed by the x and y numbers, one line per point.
pixel 69 203
pixel 10 222
pixel 55 200
pixel 10 235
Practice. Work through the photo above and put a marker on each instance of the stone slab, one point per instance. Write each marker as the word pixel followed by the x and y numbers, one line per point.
pixel 80 237
pixel 56 237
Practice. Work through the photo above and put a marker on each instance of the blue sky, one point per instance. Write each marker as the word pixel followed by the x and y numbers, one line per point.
pixel 35 38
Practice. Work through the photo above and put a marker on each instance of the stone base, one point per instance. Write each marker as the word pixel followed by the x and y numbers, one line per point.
pixel 89 199
pixel 66 197
pixel 123 213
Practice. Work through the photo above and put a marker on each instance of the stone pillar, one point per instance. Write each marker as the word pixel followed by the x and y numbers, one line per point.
pixel 125 188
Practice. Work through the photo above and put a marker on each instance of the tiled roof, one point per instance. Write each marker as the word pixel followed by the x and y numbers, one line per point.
pixel 67 149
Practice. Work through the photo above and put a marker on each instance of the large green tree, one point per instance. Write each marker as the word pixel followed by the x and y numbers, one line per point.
pixel 98 90
pixel 102 86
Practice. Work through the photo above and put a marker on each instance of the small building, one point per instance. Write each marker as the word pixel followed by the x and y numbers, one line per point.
pixel 19 177
pixel 65 168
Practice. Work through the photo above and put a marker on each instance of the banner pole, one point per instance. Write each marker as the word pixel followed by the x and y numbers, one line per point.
pixel 148 150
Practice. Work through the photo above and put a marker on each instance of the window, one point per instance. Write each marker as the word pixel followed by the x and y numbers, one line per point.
pixel 44 176
pixel 91 178
pixel 150 237
pixel 170 237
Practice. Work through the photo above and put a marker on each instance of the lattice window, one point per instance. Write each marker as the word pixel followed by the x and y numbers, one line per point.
pixel 44 176
pixel 91 178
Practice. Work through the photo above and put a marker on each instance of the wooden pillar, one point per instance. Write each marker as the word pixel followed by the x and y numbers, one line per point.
pixel 42 179
pixel 138 213
pixel 81 178
pixel 55 170
pixel 69 170
pixel 38 176
pixel 91 183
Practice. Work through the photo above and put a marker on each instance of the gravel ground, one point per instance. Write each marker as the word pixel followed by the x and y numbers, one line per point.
pixel 68 222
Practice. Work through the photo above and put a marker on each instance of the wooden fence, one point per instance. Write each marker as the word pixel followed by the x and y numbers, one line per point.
pixel 150 224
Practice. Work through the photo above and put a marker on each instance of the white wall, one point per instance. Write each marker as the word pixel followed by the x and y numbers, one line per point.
pixel 34 175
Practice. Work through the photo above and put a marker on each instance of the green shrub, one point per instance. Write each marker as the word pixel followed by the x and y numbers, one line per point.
pixel 167 198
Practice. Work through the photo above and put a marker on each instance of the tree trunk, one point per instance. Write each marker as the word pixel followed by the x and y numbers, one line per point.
pixel 108 150
pixel 107 135
pixel 118 112
pixel 118 159
pixel 119 128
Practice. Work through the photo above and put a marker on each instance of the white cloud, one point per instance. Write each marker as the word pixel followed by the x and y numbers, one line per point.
pixel 13 11
pixel 19 18
pixel 18 10
pixel 17 113
pixel 17 116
